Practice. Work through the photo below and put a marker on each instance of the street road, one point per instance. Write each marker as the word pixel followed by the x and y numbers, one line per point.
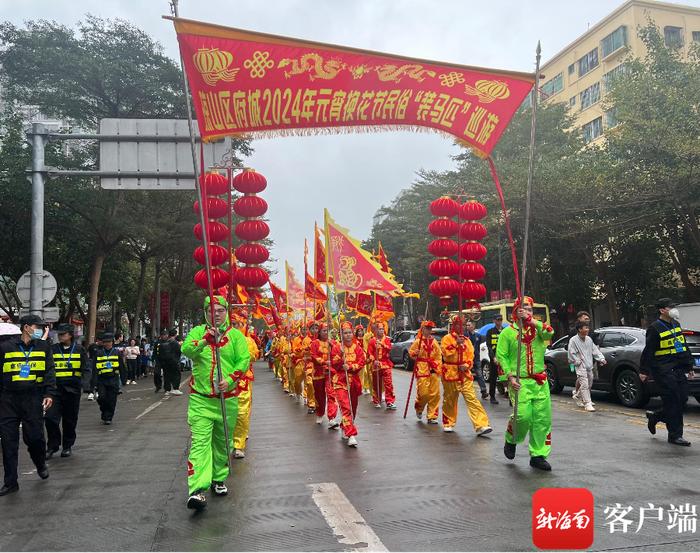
pixel 408 486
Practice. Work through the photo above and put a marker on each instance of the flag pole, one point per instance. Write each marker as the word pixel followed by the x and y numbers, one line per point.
pixel 205 240
pixel 528 197
pixel 413 374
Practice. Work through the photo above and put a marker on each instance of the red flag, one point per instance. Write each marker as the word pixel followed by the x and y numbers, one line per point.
pixel 313 290
pixel 266 314
pixel 383 303
pixel 295 291
pixel 364 304
pixel 319 257
pixel 351 299
pixel 352 267
pixel 383 261
pixel 320 314
pixel 279 296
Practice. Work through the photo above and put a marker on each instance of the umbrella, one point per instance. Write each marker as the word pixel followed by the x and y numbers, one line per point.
pixel 7 329
pixel 484 329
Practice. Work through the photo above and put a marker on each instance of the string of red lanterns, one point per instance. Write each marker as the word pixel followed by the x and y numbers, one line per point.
pixel 471 251
pixel 443 248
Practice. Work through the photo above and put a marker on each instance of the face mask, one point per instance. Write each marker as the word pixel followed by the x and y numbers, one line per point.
pixel 37 333
pixel 674 314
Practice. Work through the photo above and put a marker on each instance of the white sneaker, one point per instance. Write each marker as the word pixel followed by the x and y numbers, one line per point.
pixel 333 425
pixel 579 403
pixel 352 441
pixel 197 501
pixel 238 454
pixel 589 407
pixel 432 421
pixel 345 437
pixel 391 406
pixel 167 393
pixel 484 430
pixel 593 404
pixel 133 382
pixel 378 405
pixel 319 420
pixel 574 394
pixel 175 392
pixel 448 429
pixel 419 416
pixel 219 488
pixel 91 397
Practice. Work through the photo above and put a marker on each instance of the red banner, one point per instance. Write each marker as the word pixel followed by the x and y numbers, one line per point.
pixel 295 291
pixel 246 82
pixel 313 290
pixel 319 257
pixel 383 303
pixel 364 304
pixel 279 296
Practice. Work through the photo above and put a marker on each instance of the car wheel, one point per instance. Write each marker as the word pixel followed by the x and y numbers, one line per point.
pixel 406 360
pixel 554 386
pixel 630 390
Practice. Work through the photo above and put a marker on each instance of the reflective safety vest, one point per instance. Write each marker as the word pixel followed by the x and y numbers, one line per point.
pixel 107 364
pixel 15 360
pixel 67 364
pixel 494 339
pixel 668 340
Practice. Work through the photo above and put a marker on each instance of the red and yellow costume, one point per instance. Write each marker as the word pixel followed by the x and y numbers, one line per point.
pixel 366 373
pixel 245 388
pixel 323 390
pixel 284 349
pixel 353 357
pixel 378 352
pixel 309 365
pixel 457 379
pixel 427 367
pixel 297 373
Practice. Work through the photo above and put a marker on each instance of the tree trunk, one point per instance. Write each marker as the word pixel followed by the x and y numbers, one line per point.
pixel 601 273
pixel 139 297
pixel 95 275
pixel 156 302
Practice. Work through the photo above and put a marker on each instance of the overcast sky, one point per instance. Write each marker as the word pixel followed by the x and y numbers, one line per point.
pixel 353 175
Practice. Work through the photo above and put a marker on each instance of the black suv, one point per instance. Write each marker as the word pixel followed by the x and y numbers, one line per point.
pixel 622 347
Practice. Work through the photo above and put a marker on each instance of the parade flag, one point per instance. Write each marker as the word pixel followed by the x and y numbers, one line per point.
pixel 266 314
pixel 351 300
pixel 319 256
pixel 382 259
pixel 279 296
pixel 383 308
pixel 365 304
pixel 352 267
pixel 313 290
pixel 320 314
pixel 250 83
pixel 295 291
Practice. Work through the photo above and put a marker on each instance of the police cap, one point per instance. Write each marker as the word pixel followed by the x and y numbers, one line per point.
pixel 65 328
pixel 661 303
pixel 31 320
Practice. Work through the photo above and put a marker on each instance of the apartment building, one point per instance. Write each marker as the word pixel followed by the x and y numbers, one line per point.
pixel 580 75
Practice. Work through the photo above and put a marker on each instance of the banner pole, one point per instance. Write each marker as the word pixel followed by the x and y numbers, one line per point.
pixel 528 197
pixel 205 240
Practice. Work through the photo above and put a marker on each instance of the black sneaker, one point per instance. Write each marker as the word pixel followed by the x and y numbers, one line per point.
pixel 197 501
pixel 679 441
pixel 9 489
pixel 66 452
pixel 651 421
pixel 494 401
pixel 540 463
pixel 43 472
pixel 50 453
pixel 509 450
pixel 219 488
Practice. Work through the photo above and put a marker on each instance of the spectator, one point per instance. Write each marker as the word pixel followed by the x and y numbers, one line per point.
pixel 169 356
pixel 581 352
pixel 132 352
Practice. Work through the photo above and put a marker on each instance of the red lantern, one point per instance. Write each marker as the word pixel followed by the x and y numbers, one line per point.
pixel 444 287
pixel 249 182
pixel 472 304
pixel 252 254
pixel 219 278
pixel 472 271
pixel 443 247
pixel 251 277
pixel 250 206
pixel 473 290
pixel 472 211
pixel 444 207
pixel 216 207
pixel 443 267
pixel 215 184
pixel 443 227
pixel 472 231
pixel 216 231
pixel 473 251
pixel 252 230
pixel 217 255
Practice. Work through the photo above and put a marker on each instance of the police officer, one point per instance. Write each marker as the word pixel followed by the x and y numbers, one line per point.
pixel 108 365
pixel 27 388
pixel 70 360
pixel 158 369
pixel 667 359
pixel 491 343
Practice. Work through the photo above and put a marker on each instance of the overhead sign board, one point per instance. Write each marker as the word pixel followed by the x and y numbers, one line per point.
pixel 153 154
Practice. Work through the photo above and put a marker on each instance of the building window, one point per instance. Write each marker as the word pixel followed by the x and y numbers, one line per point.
pixel 572 101
pixel 614 41
pixel 592 130
pixel 572 68
pixel 611 118
pixel 696 36
pixel 588 62
pixel 612 76
pixel 590 96
pixel 552 86
pixel 673 36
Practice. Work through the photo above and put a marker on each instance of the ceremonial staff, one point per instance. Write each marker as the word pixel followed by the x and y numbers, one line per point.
pixel 413 375
pixel 528 196
pixel 201 197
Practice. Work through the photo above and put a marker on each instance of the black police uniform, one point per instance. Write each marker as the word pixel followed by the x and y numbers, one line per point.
pixel 169 357
pixel 70 362
pixel 667 358
pixel 108 364
pixel 158 369
pixel 491 343
pixel 27 378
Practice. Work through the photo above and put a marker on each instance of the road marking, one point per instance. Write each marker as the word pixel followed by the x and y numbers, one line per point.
pixel 150 408
pixel 342 517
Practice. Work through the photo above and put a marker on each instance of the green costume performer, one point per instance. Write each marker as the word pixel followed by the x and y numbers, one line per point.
pixel 534 405
pixel 207 465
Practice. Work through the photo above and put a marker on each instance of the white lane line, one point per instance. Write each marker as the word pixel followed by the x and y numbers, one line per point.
pixel 347 524
pixel 157 403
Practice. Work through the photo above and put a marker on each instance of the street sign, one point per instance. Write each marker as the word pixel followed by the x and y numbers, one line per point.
pixel 48 289
pixel 49 314
pixel 163 155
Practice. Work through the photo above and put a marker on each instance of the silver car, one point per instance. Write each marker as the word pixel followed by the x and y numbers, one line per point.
pixel 402 341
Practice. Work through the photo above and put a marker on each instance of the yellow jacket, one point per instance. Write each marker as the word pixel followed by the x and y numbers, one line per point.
pixel 454 355
pixel 427 355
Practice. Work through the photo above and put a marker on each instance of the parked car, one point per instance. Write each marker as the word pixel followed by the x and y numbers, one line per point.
pixel 402 343
pixel 622 347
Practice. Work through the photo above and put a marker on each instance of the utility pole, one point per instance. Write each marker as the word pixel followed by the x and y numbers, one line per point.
pixel 39 136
